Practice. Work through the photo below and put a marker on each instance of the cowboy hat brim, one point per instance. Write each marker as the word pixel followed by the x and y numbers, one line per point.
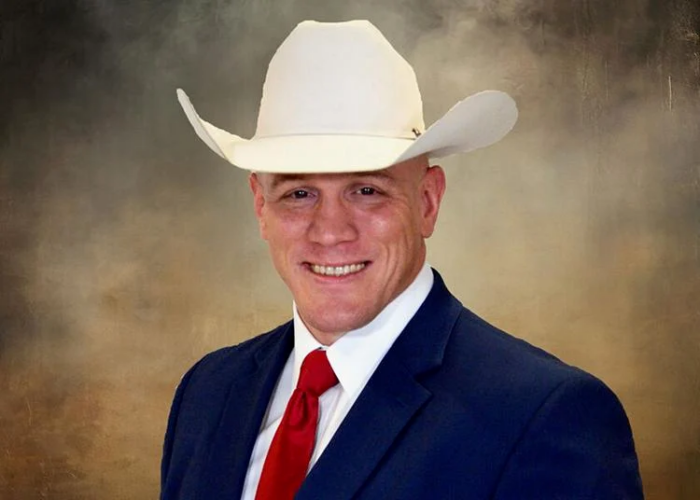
pixel 475 122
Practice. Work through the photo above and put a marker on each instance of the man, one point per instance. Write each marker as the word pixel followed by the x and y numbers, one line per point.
pixel 383 386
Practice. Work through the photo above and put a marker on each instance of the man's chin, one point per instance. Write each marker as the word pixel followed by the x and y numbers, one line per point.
pixel 335 321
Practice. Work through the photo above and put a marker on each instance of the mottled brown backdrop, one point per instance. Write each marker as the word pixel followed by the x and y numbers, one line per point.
pixel 128 249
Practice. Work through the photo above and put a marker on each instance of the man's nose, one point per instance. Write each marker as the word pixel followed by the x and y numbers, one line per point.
pixel 332 223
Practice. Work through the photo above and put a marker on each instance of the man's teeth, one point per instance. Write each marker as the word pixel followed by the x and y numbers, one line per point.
pixel 337 270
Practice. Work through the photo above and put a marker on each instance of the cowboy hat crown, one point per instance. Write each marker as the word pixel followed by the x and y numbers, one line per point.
pixel 339 98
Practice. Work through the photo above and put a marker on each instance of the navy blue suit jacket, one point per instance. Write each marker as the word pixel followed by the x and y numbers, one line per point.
pixel 457 409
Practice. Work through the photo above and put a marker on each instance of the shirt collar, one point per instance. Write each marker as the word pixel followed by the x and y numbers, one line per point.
pixel 356 354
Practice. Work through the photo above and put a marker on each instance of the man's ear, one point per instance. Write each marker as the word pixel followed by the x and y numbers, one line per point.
pixel 432 190
pixel 258 202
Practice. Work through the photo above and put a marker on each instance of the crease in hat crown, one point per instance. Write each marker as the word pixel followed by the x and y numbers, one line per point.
pixel 338 97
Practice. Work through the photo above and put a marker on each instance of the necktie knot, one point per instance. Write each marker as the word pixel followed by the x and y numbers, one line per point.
pixel 316 375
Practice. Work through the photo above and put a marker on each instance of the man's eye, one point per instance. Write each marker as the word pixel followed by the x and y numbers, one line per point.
pixel 367 191
pixel 299 194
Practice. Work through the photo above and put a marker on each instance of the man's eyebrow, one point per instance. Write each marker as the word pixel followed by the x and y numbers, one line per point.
pixel 377 175
pixel 280 179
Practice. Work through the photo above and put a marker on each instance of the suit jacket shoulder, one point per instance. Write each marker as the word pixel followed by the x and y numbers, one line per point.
pixel 217 367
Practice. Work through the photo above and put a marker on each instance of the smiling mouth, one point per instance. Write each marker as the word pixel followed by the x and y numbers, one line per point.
pixel 344 270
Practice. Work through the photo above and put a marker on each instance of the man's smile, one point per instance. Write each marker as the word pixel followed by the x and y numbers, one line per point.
pixel 336 270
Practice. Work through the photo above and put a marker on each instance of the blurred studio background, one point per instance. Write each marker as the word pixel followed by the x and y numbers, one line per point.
pixel 128 249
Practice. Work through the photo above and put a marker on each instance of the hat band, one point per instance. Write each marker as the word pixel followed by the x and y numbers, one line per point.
pixel 413 134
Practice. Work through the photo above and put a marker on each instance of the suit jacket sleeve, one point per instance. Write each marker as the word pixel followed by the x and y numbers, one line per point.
pixel 172 426
pixel 578 445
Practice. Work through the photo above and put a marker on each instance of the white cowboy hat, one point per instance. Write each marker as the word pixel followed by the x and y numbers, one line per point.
pixel 339 98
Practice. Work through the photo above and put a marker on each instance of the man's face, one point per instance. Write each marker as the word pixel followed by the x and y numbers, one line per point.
pixel 347 244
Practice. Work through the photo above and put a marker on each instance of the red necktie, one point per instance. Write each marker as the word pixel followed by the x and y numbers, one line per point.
pixel 290 452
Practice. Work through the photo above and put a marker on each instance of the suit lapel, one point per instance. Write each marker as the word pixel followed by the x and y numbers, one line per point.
pixel 246 404
pixel 388 402
pixel 383 409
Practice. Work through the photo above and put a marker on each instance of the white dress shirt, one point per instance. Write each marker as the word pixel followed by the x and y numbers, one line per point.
pixel 354 357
